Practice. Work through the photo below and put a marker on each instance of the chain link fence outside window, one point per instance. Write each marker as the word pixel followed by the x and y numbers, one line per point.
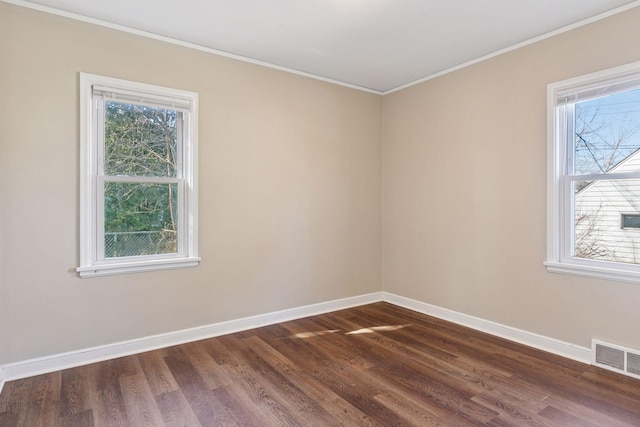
pixel 135 243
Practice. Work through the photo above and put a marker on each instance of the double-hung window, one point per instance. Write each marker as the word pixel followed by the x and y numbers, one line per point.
pixel 138 198
pixel 594 175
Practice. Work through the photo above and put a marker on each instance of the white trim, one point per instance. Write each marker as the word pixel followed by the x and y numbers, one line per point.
pixel 551 345
pixel 619 275
pixel 2 378
pixel 97 270
pixel 92 259
pixel 194 46
pixel 56 362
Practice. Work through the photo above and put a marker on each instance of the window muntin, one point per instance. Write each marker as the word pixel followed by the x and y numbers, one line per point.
pixel 594 174
pixel 138 198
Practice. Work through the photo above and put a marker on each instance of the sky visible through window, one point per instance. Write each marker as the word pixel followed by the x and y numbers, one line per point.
pixel 607 132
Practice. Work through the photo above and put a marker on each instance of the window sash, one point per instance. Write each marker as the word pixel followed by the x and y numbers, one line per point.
pixel 566 123
pixel 98 248
pixel 182 124
pixel 567 235
pixel 568 212
pixel 99 243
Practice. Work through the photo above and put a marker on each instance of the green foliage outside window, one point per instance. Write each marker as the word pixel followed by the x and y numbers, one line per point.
pixel 140 218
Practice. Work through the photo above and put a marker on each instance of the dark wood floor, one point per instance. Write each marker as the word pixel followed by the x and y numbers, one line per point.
pixel 372 365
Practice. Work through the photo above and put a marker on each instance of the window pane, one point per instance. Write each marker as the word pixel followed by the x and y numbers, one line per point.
pixel 599 206
pixel 630 221
pixel 140 140
pixel 607 132
pixel 140 219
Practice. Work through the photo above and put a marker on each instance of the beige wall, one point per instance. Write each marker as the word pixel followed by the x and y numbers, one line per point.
pixel 464 191
pixel 289 190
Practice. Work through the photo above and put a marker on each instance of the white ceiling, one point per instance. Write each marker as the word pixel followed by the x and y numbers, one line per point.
pixel 378 45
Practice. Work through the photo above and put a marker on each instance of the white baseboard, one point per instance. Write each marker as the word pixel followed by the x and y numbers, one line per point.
pixel 551 345
pixel 56 362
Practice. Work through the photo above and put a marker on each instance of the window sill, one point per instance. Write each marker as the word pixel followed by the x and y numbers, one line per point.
pixel 136 267
pixel 607 273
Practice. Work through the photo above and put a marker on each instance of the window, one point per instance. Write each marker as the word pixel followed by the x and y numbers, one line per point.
pixel 138 199
pixel 630 221
pixel 594 175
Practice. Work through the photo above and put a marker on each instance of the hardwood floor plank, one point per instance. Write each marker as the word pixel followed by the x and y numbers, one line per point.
pixel 75 391
pixel 265 363
pixel 38 395
pixel 206 366
pixel 212 404
pixel 600 378
pixel 42 409
pixel 374 365
pixel 356 390
pixel 521 415
pixel 106 396
pixel 510 394
pixel 332 403
pixel 193 389
pixel 9 419
pixel 449 381
pixel 157 373
pixel 566 384
pixel 484 370
pixel 350 381
pixel 77 419
pixel 250 402
pixel 558 417
pixel 139 403
pixel 587 413
pixel 438 395
pixel 416 414
pixel 325 343
pixel 253 376
pixel 175 410
pixel 233 398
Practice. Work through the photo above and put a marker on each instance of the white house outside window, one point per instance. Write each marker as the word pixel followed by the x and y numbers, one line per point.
pixel 138 208
pixel 594 175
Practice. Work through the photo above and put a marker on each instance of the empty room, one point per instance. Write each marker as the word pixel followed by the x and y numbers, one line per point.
pixel 320 213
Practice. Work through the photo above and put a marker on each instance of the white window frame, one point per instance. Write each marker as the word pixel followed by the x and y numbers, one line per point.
pixel 560 99
pixel 92 260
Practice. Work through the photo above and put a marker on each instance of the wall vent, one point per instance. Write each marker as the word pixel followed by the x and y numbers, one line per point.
pixel 616 358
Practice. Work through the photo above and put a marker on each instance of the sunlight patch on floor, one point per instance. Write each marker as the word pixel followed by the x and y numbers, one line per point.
pixel 377 329
pixel 370 330
pixel 314 334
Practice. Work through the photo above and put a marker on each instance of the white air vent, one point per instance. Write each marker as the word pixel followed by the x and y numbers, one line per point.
pixel 633 364
pixel 616 358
